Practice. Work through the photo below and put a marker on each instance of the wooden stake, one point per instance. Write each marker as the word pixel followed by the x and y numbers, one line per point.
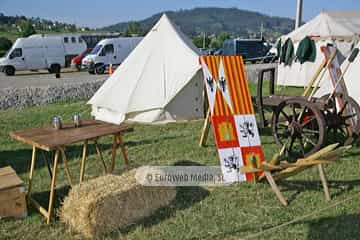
pixel 100 156
pixel 275 188
pixel 123 149
pixel 205 130
pixel 52 187
pixel 324 182
pixel 66 166
pixel 83 160
pixel 32 166
pixel 113 154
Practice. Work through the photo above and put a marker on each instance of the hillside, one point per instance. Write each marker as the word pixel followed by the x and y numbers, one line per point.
pixel 237 22
pixel 11 26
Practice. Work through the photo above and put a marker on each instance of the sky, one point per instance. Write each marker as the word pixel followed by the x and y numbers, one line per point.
pixel 106 12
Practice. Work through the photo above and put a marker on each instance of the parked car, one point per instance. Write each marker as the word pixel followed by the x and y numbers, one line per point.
pixel 40 51
pixel 76 61
pixel 109 51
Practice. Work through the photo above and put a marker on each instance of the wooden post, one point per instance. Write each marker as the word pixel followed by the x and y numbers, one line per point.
pixel 66 166
pixel 52 187
pixel 83 160
pixel 205 130
pixel 113 154
pixel 123 149
pixel 324 182
pixel 275 188
pixel 100 156
pixel 32 166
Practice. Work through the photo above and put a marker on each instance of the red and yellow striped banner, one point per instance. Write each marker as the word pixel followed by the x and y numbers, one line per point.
pixel 238 87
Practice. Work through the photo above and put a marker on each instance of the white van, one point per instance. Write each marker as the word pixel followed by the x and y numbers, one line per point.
pixel 109 51
pixel 38 51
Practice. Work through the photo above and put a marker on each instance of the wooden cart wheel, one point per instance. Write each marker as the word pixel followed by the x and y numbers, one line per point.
pixel 343 124
pixel 298 127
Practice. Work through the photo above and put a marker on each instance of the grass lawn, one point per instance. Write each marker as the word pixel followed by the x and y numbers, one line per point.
pixel 231 212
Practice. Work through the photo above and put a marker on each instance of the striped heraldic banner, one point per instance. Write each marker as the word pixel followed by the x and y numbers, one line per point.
pixel 232 116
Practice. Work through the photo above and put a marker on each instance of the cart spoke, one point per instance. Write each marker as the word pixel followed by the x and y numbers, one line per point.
pixel 285 115
pixel 309 141
pixel 343 108
pixel 293 110
pixel 282 126
pixel 306 130
pixel 291 144
pixel 349 116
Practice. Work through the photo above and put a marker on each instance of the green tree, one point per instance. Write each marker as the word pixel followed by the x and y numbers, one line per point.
pixel 218 41
pixel 134 28
pixel 223 36
pixel 27 29
pixel 199 41
pixel 215 43
pixel 5 44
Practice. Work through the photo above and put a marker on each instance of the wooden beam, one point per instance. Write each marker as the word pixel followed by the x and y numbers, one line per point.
pixel 100 156
pixel 52 187
pixel 324 182
pixel 83 161
pixel 42 210
pixel 275 188
pixel 113 154
pixel 123 149
pixel 32 166
pixel 205 130
pixel 66 166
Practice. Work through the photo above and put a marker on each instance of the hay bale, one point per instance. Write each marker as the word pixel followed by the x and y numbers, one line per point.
pixel 110 202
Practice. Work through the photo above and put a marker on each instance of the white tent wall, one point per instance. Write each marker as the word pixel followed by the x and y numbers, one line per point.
pixel 188 104
pixel 339 28
pixel 149 85
pixel 300 74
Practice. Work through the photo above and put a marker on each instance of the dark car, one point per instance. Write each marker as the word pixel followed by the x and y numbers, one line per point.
pixel 252 50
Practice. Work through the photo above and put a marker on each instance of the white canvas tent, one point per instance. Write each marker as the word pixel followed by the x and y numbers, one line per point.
pixel 160 80
pixel 339 28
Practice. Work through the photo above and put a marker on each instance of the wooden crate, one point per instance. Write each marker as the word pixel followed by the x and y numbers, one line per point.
pixel 12 194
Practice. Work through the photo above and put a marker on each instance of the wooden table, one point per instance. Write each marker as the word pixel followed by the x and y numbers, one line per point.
pixel 48 139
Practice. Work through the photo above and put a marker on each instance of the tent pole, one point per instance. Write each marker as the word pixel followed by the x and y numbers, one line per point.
pixel 299 13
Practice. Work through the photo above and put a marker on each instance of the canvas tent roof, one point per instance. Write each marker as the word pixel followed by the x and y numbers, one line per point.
pixel 342 28
pixel 330 25
pixel 160 80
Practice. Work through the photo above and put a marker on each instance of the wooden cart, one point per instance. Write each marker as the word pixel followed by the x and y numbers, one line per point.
pixel 302 125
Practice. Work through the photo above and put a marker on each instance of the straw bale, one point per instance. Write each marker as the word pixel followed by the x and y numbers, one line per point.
pixel 110 202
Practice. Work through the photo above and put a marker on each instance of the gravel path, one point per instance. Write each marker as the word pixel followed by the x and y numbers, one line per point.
pixel 44 79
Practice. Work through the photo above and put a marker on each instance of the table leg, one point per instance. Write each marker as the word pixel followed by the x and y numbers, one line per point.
pixel 66 166
pixel 32 166
pixel 123 149
pixel 83 160
pixel 113 154
pixel 324 182
pixel 52 187
pixel 100 156
pixel 47 163
pixel 275 188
